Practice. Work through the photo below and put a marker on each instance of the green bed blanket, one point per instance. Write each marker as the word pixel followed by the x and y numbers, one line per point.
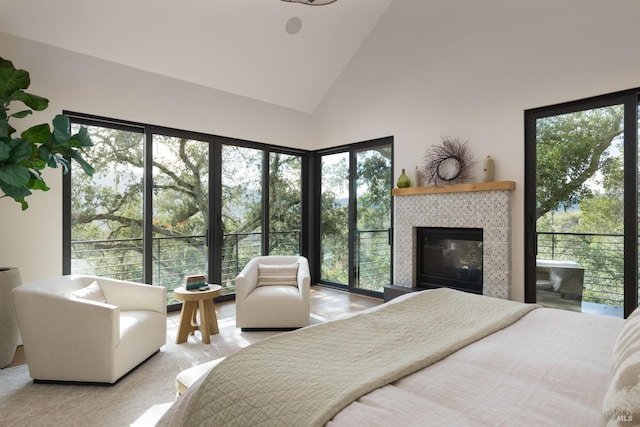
pixel 305 377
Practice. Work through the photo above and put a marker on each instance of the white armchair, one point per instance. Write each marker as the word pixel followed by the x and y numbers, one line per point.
pixel 75 331
pixel 273 305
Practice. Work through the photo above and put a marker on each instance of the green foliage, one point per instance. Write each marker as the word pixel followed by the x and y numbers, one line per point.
pixel 571 148
pixel 107 211
pixel 580 169
pixel 23 158
pixel 285 207
pixel 559 222
pixel 334 226
pixel 373 183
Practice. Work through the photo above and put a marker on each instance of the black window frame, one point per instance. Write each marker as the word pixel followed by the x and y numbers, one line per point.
pixel 351 149
pixel 310 194
pixel 630 98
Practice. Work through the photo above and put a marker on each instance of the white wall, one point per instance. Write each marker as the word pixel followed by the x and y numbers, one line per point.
pixel 430 68
pixel 32 240
pixel 434 68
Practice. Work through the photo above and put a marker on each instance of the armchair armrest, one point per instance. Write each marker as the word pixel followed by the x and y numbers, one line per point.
pixel 247 280
pixel 134 296
pixel 63 323
pixel 304 279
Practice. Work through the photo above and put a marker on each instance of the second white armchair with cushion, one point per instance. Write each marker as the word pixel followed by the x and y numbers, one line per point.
pixel 89 329
pixel 272 292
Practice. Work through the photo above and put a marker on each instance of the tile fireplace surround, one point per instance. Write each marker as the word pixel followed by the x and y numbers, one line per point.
pixel 477 205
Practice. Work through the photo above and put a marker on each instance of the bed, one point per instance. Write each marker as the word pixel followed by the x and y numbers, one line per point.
pixel 431 358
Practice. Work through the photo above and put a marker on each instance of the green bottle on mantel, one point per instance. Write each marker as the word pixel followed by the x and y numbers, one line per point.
pixel 403 180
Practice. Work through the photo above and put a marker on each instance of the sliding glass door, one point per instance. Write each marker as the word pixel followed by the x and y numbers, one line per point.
pixel 334 219
pixel 241 209
pixel 355 213
pixel 582 205
pixel 180 200
pixel 372 185
pixel 106 212
pixel 285 204
pixel 165 203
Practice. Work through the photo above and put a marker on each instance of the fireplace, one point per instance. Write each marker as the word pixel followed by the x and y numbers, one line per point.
pixel 483 205
pixel 450 258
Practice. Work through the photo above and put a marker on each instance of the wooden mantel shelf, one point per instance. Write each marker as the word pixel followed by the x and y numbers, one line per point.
pixel 456 188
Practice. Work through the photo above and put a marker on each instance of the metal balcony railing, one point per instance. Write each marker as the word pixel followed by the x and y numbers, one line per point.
pixel 175 257
pixel 373 259
pixel 601 256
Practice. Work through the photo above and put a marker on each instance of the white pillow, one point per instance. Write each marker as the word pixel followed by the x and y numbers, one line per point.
pixel 93 292
pixel 272 274
pixel 622 399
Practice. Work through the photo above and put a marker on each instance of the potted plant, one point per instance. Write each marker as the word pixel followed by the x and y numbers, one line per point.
pixel 22 158
pixel 9 333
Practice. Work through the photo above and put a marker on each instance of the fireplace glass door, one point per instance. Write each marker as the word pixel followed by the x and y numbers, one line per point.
pixel 450 258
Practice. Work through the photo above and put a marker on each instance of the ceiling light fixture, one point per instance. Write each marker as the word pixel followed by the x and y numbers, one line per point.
pixel 311 2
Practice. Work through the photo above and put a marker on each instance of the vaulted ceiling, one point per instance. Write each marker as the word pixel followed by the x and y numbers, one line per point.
pixel 239 46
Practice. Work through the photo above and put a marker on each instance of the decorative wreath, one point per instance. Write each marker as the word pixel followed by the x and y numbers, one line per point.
pixel 449 163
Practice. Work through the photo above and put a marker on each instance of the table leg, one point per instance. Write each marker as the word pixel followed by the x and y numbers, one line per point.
pixel 186 327
pixel 204 323
pixel 194 320
pixel 211 315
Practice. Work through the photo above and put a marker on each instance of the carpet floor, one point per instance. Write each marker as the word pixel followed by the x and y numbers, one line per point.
pixel 143 396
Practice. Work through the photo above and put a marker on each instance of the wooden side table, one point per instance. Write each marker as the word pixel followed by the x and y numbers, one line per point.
pixel 192 301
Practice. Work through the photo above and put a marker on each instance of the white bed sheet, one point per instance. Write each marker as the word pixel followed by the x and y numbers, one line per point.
pixel 551 368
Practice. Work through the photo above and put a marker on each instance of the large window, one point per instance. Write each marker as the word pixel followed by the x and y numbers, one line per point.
pixel 285 207
pixel 242 210
pixel 180 214
pixel 582 204
pixel 164 203
pixel 334 219
pixel 106 211
pixel 355 216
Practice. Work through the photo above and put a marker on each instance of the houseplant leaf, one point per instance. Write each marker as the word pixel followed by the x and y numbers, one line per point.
pixel 81 139
pixel 61 129
pixel 36 102
pixel 11 79
pixel 22 114
pixel 86 167
pixel 20 151
pixel 38 134
pixel 37 183
pixel 5 151
pixel 16 193
pixel 15 175
pixel 38 147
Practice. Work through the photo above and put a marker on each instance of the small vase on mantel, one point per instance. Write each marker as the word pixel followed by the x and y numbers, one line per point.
pixel 417 180
pixel 488 170
pixel 403 180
